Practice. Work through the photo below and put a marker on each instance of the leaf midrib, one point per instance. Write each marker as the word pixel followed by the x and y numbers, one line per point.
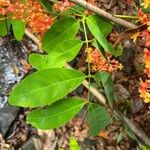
pixel 57 113
pixel 60 54
pixel 33 91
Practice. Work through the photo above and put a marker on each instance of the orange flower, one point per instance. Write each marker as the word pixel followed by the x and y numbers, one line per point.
pixel 99 63
pixel 63 5
pixel 32 13
pixel 40 22
pixel 103 134
pixel 146 59
pixel 146 55
pixel 145 90
pixel 18 10
pixel 148 28
pixel 146 35
pixel 4 2
pixel 144 18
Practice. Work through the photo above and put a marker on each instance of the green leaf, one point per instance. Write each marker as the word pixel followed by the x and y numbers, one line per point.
pixel 130 133
pixel 61 31
pixel 63 53
pixel 103 26
pixel 56 114
pixel 4 24
pixel 46 5
pixel 18 29
pixel 100 28
pixel 73 144
pixel 119 50
pixel 3 28
pixel 98 119
pixel 146 10
pixel 108 85
pixel 100 48
pixel 45 87
pixel 119 137
pixel 76 9
pixel 144 147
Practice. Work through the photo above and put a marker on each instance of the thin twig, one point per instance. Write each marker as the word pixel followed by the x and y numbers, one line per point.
pixel 33 37
pixel 139 133
pixel 103 13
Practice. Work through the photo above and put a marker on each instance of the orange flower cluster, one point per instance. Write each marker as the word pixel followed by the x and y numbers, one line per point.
pixel 3 4
pixel 61 6
pixel 146 60
pixel 146 35
pixel 145 90
pixel 145 86
pixel 144 18
pixel 31 12
pixel 99 63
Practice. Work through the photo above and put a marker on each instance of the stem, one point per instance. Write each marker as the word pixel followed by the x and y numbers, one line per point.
pixel 104 14
pixel 4 18
pixel 126 17
pixel 88 54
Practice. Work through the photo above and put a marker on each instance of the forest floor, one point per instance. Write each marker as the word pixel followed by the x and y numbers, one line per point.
pixel 16 134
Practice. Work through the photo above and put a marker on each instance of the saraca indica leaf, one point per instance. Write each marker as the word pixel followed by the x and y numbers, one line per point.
pixel 4 25
pixel 74 144
pixel 63 53
pixel 56 114
pixel 61 31
pixel 108 85
pixel 100 28
pixel 45 87
pixel 18 29
pixel 98 119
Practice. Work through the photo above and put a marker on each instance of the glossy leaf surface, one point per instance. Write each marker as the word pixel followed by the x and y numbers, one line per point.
pixel 63 53
pixel 74 144
pixel 61 31
pixel 45 87
pixel 18 29
pixel 56 114
pixel 100 28
pixel 98 119
pixel 108 85
pixel 4 25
